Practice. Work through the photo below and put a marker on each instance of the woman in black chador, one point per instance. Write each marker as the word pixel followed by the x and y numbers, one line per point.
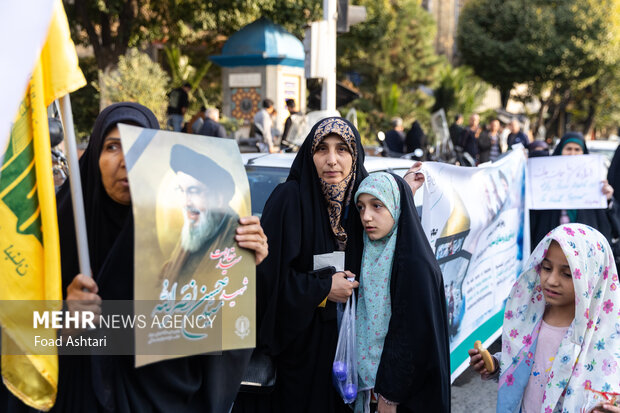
pixel 312 213
pixel 543 221
pixel 112 383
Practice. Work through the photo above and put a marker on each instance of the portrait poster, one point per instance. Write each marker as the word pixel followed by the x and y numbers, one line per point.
pixel 193 282
pixel 474 221
pixel 566 182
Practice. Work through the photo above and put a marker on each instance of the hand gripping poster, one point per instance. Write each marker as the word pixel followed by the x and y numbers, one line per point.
pixel 194 286
pixel 474 221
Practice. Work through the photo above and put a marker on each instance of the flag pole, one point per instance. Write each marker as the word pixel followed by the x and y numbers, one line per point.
pixel 76 185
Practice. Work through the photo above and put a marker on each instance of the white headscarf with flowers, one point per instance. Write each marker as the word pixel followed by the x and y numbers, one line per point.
pixel 587 363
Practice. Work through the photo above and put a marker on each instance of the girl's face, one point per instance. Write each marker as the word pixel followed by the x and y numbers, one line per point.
pixel 556 278
pixel 572 148
pixel 376 218
pixel 332 159
pixel 112 167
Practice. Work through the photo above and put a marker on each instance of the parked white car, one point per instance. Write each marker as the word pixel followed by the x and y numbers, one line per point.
pixel 607 148
pixel 266 171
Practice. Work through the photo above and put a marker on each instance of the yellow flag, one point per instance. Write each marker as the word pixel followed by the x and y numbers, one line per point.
pixel 29 248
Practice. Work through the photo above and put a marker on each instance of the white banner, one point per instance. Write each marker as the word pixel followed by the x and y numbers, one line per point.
pixel 566 182
pixel 473 219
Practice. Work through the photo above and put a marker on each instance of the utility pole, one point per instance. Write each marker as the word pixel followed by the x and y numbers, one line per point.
pixel 328 94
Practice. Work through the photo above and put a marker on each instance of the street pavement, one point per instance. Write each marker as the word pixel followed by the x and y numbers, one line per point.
pixel 470 394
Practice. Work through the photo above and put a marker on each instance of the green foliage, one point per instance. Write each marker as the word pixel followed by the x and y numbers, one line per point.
pixel 516 41
pixel 114 25
pixel 183 72
pixel 459 91
pixel 565 51
pixel 137 79
pixel 85 101
pixel 393 54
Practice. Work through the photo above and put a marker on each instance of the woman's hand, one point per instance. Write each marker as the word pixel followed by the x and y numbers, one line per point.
pixel 342 288
pixel 414 177
pixel 383 407
pixel 475 360
pixel 606 407
pixel 82 296
pixel 250 235
pixel 608 190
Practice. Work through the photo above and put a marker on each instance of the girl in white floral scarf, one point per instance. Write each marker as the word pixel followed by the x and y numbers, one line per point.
pixel 561 332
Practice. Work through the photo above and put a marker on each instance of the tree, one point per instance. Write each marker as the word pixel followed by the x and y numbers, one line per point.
pixel 392 55
pixel 553 46
pixel 459 91
pixel 137 79
pixel 112 26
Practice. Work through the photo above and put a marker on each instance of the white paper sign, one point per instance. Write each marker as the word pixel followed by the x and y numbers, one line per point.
pixel 565 182
pixel 333 259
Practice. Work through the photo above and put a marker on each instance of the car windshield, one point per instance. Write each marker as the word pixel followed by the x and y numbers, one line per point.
pixel 607 153
pixel 262 181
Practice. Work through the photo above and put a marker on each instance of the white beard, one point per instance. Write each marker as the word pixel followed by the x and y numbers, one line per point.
pixel 193 235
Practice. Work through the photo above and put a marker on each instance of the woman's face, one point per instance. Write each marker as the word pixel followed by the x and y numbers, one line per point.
pixel 556 278
pixel 332 159
pixel 572 148
pixel 376 218
pixel 112 167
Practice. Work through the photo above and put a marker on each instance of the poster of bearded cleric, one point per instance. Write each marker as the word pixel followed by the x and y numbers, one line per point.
pixel 474 221
pixel 188 192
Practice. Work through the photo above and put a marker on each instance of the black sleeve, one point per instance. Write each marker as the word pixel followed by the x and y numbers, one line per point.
pixel 287 127
pixel 402 365
pixel 287 296
pixel 184 102
pixel 221 132
pixel 415 362
pixel 613 214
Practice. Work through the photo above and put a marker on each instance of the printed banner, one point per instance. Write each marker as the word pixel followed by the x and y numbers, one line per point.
pixel 473 219
pixel 188 193
pixel 566 182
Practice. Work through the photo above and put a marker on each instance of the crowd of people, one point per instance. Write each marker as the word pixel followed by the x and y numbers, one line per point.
pixel 266 136
pixel 566 300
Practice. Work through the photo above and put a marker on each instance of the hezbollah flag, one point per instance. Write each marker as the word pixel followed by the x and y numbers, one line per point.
pixel 29 248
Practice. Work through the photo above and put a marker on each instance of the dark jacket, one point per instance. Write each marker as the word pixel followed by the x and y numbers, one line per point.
pixel 414 372
pixel 518 137
pixel 212 128
pixel 395 142
pixel 469 142
pixel 484 147
pixel 301 335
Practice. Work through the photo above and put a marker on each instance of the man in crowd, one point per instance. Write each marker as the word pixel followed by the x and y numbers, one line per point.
pixel 263 124
pixel 292 110
pixel 195 123
pixel 416 138
pixel 178 102
pixel 469 136
pixel 489 143
pixel 516 134
pixel 211 125
pixel 456 129
pixel 395 139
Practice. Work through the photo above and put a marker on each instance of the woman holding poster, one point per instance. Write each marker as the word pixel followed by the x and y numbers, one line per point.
pixel 112 383
pixel 312 214
pixel 543 221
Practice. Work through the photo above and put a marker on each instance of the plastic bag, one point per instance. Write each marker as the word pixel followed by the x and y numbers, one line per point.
pixel 345 362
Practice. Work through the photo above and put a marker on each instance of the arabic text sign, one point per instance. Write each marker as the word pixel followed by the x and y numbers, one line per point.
pixel 565 182
pixel 188 193
pixel 473 219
